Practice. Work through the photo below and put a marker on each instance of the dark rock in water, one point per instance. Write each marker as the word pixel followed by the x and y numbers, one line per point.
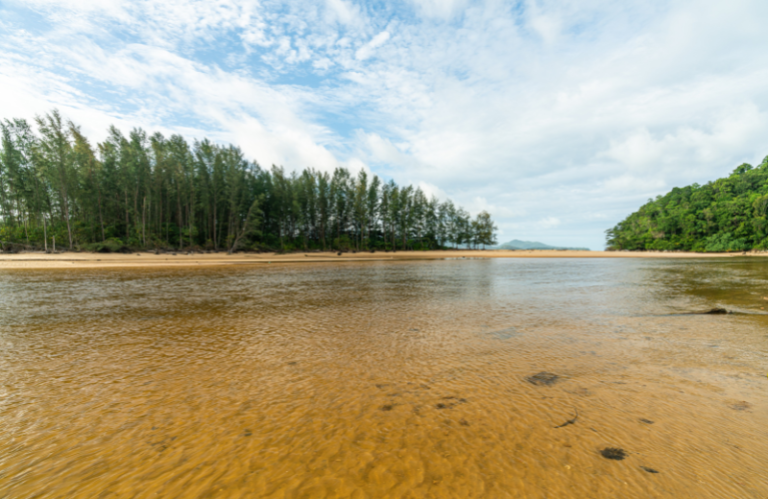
pixel 338 254
pixel 247 433
pixel 454 401
pixel 464 422
pixel 543 378
pixel 646 421
pixel 716 311
pixel 649 470
pixel 387 407
pixel 613 453
pixel 741 406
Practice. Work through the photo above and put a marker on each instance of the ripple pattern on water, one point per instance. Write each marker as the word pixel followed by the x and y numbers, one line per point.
pixel 386 380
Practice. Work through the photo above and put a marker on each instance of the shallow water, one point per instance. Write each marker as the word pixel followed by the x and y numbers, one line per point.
pixel 387 380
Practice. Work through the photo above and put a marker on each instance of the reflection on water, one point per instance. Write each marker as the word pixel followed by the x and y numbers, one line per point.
pixel 499 378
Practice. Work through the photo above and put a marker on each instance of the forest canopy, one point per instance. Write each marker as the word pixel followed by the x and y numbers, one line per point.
pixel 145 191
pixel 728 214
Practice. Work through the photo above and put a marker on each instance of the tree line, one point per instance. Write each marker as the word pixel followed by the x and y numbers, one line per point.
pixel 728 214
pixel 144 191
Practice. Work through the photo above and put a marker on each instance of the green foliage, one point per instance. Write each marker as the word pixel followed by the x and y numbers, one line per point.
pixel 343 243
pixel 111 245
pixel 148 191
pixel 724 242
pixel 728 214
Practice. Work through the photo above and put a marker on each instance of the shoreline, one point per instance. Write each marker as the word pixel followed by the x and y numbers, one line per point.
pixel 77 260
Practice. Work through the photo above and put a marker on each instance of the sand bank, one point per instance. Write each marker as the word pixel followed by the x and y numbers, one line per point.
pixel 69 260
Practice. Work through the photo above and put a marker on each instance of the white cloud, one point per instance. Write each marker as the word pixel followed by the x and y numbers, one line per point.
pixel 368 49
pixel 549 223
pixel 344 12
pixel 541 111
pixel 443 9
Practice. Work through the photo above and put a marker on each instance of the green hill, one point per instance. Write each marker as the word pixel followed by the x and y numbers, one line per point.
pixel 728 214
pixel 516 244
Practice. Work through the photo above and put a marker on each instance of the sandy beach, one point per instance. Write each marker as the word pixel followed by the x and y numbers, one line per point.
pixel 70 260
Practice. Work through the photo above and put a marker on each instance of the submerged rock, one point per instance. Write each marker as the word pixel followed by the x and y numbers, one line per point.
pixel 649 470
pixel 716 311
pixel 543 378
pixel 613 453
pixel 741 406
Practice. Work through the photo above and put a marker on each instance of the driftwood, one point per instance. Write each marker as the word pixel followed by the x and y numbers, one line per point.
pixel 570 421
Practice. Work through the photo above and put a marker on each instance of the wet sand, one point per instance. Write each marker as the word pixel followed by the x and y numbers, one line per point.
pixel 70 260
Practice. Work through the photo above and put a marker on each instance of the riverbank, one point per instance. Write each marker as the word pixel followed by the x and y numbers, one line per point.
pixel 70 260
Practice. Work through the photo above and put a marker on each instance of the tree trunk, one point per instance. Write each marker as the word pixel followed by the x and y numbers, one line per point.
pixel 181 222
pixel 322 230
pixel 143 222
pixel 127 219
pixel 66 216
pixel 215 232
pixel 101 218
pixel 189 220
pixel 136 207
pixel 241 233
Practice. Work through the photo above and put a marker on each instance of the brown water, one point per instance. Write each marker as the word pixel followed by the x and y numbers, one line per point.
pixel 386 380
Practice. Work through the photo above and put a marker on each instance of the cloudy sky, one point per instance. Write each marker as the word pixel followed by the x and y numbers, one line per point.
pixel 558 117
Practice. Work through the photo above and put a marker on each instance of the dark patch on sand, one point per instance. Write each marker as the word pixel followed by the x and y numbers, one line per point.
pixel 543 378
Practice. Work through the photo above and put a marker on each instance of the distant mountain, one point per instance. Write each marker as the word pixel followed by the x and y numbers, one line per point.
pixel 516 244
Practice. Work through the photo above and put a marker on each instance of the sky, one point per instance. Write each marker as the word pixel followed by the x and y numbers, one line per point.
pixel 560 118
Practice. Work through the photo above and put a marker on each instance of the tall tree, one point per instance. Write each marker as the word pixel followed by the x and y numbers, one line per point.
pixel 149 191
pixel 55 152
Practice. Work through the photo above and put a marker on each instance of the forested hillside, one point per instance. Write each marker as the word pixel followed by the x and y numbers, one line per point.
pixel 149 191
pixel 728 214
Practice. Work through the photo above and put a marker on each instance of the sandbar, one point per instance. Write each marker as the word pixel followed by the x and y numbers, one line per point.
pixel 72 260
